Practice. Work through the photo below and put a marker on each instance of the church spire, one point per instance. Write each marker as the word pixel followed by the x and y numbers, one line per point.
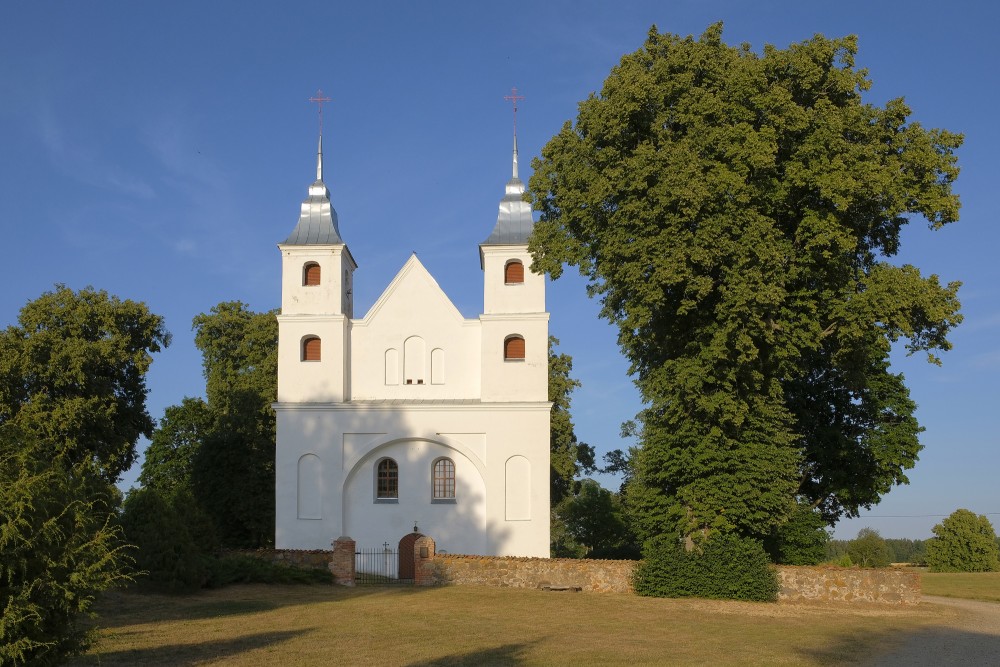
pixel 318 223
pixel 319 98
pixel 514 221
pixel 319 158
pixel 513 98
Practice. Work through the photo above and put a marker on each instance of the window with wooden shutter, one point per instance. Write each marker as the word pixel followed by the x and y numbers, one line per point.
pixel 513 348
pixel 311 274
pixel 513 273
pixel 311 349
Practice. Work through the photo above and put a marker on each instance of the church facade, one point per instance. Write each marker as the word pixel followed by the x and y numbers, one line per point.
pixel 412 414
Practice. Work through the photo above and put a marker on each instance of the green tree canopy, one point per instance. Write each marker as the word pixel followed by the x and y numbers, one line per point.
pixel 593 517
pixel 869 549
pixel 735 211
pixel 73 376
pixel 963 542
pixel 172 451
pixel 222 449
pixel 567 457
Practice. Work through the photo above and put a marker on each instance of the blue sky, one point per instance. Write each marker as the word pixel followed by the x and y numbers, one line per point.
pixel 161 150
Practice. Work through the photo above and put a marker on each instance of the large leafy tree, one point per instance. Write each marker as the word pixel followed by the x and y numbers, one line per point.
pixel 221 450
pixel 73 377
pixel 169 459
pixel 72 406
pixel 735 212
pixel 567 457
pixel 963 542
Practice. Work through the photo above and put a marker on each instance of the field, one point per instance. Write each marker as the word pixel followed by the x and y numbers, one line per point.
pixel 323 625
pixel 968 585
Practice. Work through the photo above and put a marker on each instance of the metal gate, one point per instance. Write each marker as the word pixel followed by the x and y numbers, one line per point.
pixel 378 566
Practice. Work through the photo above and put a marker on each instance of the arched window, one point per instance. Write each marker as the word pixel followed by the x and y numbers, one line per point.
pixel 443 479
pixel 311 349
pixel 513 348
pixel 387 479
pixel 513 273
pixel 310 274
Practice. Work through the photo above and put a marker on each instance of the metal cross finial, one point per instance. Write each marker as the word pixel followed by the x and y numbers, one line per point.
pixel 513 98
pixel 319 99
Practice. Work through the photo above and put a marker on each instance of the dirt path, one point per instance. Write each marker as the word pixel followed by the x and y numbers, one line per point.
pixel 969 636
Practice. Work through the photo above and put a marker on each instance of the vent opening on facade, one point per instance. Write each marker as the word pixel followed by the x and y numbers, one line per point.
pixel 513 348
pixel 310 274
pixel 311 349
pixel 513 272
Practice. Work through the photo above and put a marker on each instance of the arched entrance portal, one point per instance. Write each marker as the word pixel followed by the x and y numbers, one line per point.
pixel 406 566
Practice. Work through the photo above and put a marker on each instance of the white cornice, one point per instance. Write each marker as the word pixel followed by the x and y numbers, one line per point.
pixel 408 406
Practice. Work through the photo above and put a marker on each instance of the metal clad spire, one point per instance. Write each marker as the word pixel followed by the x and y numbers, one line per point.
pixel 318 223
pixel 514 220
pixel 319 98
pixel 513 99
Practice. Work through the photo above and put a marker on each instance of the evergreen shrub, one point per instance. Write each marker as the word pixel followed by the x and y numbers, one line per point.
pixel 725 567
pixel 233 569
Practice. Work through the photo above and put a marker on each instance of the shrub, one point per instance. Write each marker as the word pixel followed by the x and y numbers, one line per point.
pixel 868 549
pixel 963 542
pixel 58 551
pixel 226 570
pixel 724 567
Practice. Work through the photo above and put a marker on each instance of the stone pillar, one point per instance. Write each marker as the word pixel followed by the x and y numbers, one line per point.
pixel 423 562
pixel 342 561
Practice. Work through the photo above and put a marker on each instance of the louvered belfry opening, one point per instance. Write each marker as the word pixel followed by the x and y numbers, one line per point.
pixel 513 273
pixel 311 275
pixel 311 349
pixel 513 348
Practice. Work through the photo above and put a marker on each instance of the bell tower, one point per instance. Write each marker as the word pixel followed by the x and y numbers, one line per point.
pixel 515 325
pixel 317 276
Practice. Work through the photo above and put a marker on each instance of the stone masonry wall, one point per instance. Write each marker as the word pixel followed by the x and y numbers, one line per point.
pixel 842 584
pixel 825 584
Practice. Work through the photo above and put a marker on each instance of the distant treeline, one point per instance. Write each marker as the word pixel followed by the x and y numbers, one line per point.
pixel 902 550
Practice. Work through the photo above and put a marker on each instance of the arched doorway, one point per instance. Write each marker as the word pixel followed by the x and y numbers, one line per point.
pixel 406 567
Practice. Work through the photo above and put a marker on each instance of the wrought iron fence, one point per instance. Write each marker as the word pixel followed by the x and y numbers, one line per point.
pixel 378 566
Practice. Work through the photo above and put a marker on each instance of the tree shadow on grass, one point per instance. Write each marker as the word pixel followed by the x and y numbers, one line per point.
pixel 508 654
pixel 186 654
pixel 922 646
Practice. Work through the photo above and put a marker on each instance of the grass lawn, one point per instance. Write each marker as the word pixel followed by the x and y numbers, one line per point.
pixel 969 585
pixel 323 625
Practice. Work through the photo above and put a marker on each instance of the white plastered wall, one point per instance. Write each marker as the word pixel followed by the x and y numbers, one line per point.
pixel 349 441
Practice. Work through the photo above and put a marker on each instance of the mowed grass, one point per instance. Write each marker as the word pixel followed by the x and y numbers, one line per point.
pixel 324 625
pixel 969 585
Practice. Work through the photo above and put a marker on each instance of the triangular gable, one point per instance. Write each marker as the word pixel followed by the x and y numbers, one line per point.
pixel 414 288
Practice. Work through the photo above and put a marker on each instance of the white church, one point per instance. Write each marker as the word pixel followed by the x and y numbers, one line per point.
pixel 412 414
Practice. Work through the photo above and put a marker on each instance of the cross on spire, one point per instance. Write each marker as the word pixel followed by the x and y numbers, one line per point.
pixel 319 99
pixel 513 98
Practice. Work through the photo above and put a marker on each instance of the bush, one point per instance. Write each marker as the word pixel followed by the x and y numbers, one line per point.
pixel 963 542
pixel 226 570
pixel 868 549
pixel 724 567
pixel 801 540
pixel 58 551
